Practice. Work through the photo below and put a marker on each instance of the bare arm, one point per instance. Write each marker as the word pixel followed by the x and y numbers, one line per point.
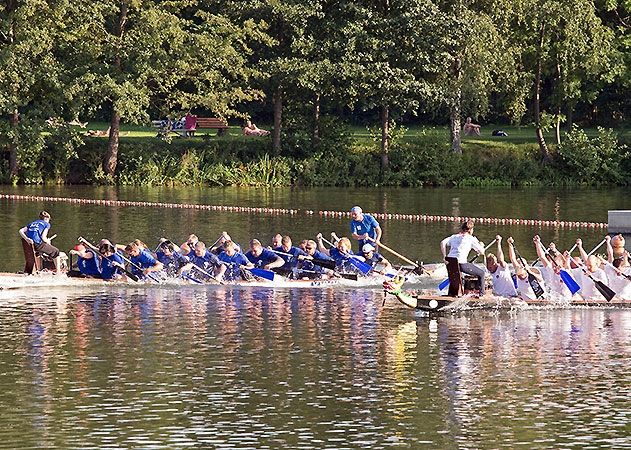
pixel 540 251
pixel 22 232
pixel 443 247
pixel 500 254
pixel 581 250
pixel 321 246
pixel 609 249
pixel 378 237
pixel 511 253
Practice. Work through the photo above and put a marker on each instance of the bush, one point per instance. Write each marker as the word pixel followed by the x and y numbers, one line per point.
pixel 590 161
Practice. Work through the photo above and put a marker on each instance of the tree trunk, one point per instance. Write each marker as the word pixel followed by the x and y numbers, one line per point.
pixel 316 120
pixel 13 149
pixel 455 128
pixel 110 159
pixel 385 136
pixel 111 155
pixel 570 117
pixel 278 116
pixel 558 126
pixel 543 148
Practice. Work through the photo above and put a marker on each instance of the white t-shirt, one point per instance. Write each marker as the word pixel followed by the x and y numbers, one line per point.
pixel 461 244
pixel 524 290
pixel 555 285
pixel 503 282
pixel 588 288
pixel 620 284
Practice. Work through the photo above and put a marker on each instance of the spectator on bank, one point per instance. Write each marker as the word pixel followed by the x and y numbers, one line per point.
pixel 471 128
pixel 250 129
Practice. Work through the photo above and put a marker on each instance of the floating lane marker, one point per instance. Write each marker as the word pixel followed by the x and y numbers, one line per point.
pixel 309 212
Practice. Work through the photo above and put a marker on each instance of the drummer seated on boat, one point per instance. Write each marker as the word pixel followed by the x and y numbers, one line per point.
pixel 288 253
pixel 234 261
pixel 202 259
pixel 460 245
pixel 36 234
pixel 307 268
pixel 500 273
pixel 143 262
pixel 262 257
pixel 87 262
pixel 375 259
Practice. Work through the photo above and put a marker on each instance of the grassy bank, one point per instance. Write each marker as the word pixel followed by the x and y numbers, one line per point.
pixel 350 156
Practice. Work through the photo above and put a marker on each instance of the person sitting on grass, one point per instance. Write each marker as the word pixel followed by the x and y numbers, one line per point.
pixel 471 128
pixel 251 129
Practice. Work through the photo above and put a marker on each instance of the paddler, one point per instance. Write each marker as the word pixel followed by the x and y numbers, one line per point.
pixel 500 273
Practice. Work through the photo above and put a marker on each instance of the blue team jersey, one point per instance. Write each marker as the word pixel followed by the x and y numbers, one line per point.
pixel 173 262
pixel 266 257
pixel 108 270
pixel 89 266
pixel 368 225
pixel 34 230
pixel 144 260
pixel 376 259
pixel 207 262
pixel 291 260
pixel 342 260
pixel 233 262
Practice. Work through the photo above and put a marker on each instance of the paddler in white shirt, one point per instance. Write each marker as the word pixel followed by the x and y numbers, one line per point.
pixel 500 273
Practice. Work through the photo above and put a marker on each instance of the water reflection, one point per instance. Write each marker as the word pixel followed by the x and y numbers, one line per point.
pixel 255 368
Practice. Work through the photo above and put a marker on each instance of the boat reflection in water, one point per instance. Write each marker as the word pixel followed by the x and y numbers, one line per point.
pixel 241 367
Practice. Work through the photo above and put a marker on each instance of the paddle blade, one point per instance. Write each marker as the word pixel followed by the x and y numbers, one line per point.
pixel 326 263
pixel 571 284
pixel 443 284
pixel 534 284
pixel 361 265
pixel 605 290
pixel 349 276
pixel 262 273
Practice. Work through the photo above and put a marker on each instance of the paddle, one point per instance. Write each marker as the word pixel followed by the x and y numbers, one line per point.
pixel 208 274
pixel 595 248
pixel 605 290
pixel 348 276
pixel 399 255
pixel 95 250
pixel 326 263
pixel 618 271
pixel 133 264
pixel 443 284
pixel 262 273
pixel 362 266
pixel 532 279
pixel 571 284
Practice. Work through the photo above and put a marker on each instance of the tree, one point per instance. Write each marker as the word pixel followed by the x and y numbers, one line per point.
pixel 170 55
pixel 30 74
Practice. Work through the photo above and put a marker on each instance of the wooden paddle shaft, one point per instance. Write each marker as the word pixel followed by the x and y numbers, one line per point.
pixel 382 245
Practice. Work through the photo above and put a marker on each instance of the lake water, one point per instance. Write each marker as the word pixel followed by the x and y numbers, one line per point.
pixel 226 367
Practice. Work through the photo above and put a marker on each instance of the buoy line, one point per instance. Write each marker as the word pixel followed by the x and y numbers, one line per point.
pixel 333 214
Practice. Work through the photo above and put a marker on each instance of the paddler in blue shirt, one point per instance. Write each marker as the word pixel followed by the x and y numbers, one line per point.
pixel 234 261
pixel 307 267
pixel 169 255
pixel 87 262
pixel 364 227
pixel 112 262
pixel 289 254
pixel 373 258
pixel 143 262
pixel 202 259
pixel 36 233
pixel 262 257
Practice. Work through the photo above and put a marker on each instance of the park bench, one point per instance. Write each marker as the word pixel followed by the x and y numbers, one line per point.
pixel 203 123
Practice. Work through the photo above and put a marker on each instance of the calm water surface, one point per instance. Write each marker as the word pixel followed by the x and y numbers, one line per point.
pixel 246 368
pixel 417 240
pixel 165 368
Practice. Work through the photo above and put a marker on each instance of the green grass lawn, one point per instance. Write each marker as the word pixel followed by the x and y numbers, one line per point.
pixel 516 135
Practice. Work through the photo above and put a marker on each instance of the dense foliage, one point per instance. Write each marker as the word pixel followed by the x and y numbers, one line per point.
pixel 311 67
